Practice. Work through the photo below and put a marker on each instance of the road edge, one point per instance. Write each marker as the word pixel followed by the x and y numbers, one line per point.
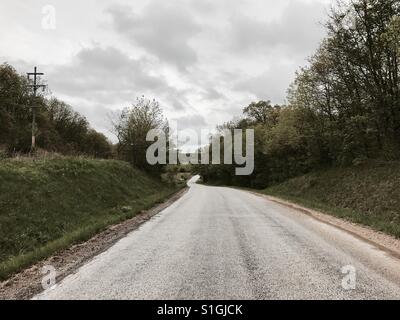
pixel 383 241
pixel 27 283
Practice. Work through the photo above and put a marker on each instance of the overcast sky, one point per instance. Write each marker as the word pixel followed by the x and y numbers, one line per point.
pixel 204 60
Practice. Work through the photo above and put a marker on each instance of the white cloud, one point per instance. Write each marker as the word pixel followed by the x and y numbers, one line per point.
pixel 163 29
pixel 204 60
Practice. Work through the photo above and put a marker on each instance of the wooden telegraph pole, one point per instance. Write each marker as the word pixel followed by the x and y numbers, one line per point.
pixel 35 86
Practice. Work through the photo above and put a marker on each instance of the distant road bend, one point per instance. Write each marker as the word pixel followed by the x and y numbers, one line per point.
pixel 222 243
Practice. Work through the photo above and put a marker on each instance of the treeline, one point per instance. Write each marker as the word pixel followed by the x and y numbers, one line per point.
pixel 343 108
pixel 59 128
pixel 62 130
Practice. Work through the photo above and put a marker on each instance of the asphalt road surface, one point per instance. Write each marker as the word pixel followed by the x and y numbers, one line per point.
pixel 221 243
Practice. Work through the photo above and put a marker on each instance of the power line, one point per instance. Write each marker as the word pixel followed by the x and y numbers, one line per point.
pixel 35 86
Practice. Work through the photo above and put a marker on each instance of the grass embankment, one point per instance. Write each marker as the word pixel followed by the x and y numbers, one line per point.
pixel 368 194
pixel 47 205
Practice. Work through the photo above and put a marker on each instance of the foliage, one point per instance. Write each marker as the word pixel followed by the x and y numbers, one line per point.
pixel 60 129
pixel 48 204
pixel 343 108
pixel 368 194
pixel 131 126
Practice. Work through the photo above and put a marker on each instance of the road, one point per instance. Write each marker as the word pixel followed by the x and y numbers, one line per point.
pixel 222 243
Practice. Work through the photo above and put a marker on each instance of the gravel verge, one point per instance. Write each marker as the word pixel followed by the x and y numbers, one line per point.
pixel 25 284
pixel 385 242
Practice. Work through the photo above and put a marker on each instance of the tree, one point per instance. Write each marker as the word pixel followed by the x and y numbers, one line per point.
pixel 60 128
pixel 97 145
pixel 131 126
pixel 344 107
pixel 262 112
pixel 15 112
pixel 71 129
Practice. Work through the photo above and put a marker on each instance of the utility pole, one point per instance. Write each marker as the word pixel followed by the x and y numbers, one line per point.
pixel 35 86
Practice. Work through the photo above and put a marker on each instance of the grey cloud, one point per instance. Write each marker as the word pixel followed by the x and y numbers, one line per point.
pixel 104 71
pixel 213 94
pixel 98 78
pixel 193 121
pixel 295 31
pixel 163 29
pixel 269 85
pixel 110 76
pixel 178 101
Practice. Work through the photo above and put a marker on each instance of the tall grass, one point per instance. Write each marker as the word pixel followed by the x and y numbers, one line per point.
pixel 368 194
pixel 47 204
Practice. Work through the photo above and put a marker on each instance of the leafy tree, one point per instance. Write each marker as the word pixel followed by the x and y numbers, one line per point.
pixel 97 145
pixel 131 126
pixel 344 107
pixel 60 128
pixel 262 112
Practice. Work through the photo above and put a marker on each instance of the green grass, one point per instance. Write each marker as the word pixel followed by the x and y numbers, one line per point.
pixel 367 194
pixel 47 205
